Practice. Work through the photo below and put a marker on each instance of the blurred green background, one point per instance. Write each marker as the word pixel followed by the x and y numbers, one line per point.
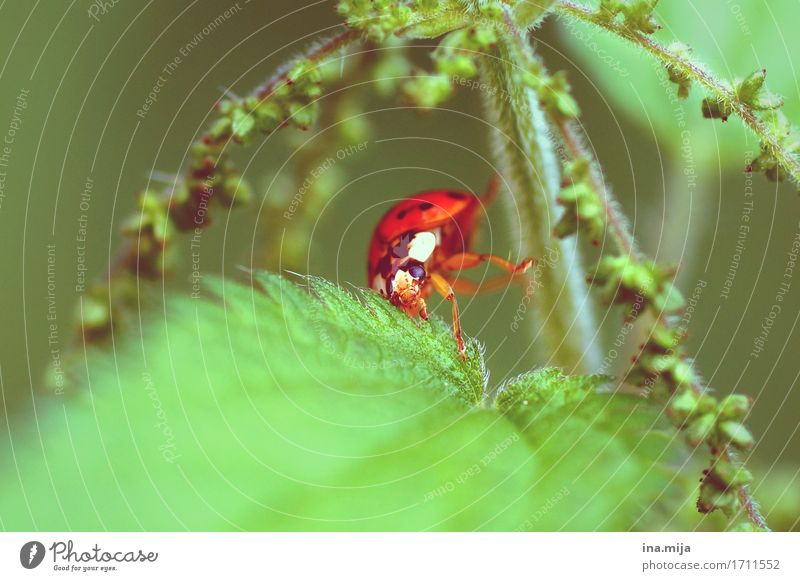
pixel 83 71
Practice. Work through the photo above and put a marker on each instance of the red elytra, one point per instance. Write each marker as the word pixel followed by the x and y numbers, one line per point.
pixel 423 242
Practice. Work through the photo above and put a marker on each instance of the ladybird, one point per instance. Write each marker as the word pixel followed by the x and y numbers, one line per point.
pixel 423 242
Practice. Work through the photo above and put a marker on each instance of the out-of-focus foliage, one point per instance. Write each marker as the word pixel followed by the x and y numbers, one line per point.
pixel 780 496
pixel 731 38
pixel 279 406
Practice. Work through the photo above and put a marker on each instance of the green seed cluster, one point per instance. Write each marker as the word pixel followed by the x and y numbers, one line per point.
pixel 554 93
pixel 676 75
pixel 636 15
pixel 379 19
pixel 704 418
pixel 752 94
pixel 152 227
pixel 624 279
pixel 553 90
pixel 663 363
pixel 719 423
pixel 663 358
pixel 788 136
pixel 289 100
pixel 583 209
pixel 632 20
pixel 150 230
pixel 455 60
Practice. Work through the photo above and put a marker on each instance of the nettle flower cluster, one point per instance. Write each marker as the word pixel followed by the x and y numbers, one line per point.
pixel 487 40
pixel 746 98
pixel 183 206
pixel 752 93
pixel 290 99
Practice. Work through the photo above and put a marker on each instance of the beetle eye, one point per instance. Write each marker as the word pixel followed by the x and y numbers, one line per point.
pixel 417 271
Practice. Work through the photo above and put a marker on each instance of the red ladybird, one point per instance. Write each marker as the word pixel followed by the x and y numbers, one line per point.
pixel 423 242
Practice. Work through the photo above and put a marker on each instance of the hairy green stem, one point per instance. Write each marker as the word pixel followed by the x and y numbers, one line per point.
pixel 625 244
pixel 528 162
pixel 620 230
pixel 789 162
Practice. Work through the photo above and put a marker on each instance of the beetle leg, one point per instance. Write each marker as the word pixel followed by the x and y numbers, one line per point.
pixel 443 288
pixel 423 310
pixel 467 287
pixel 466 260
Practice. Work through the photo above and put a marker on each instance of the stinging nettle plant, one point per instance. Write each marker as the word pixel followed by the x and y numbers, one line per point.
pixel 551 178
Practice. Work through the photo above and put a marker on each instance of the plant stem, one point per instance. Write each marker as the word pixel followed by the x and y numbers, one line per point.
pixel 789 162
pixel 620 230
pixel 625 244
pixel 528 162
pixel 315 54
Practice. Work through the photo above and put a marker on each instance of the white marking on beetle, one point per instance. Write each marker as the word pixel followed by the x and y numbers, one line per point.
pixel 422 246
pixel 403 284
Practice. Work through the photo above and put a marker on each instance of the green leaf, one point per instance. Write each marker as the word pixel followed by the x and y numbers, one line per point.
pixel 284 407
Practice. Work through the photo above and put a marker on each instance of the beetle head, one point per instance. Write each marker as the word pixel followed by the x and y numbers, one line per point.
pixel 406 287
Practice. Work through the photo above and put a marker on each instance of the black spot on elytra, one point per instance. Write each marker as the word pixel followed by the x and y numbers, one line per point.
pixel 401 214
pixel 425 206
pixel 456 195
